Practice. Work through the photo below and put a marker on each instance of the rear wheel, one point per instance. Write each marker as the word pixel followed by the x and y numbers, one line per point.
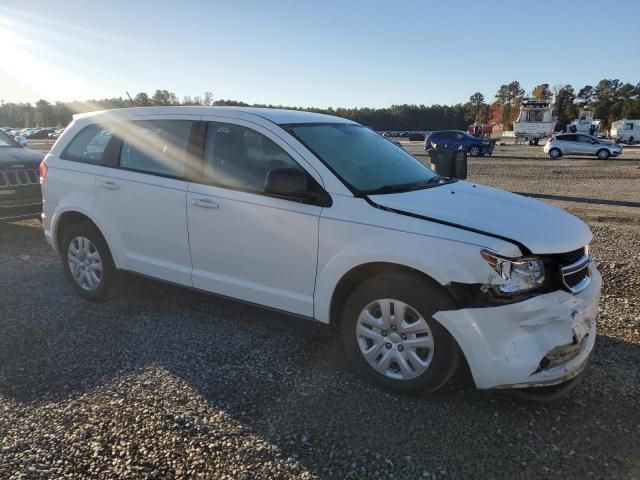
pixel 390 336
pixel 555 153
pixel 603 154
pixel 88 263
pixel 474 151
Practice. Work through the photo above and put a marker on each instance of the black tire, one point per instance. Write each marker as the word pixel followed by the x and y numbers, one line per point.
pixel 555 153
pixel 110 277
pixel 603 154
pixel 474 150
pixel 426 298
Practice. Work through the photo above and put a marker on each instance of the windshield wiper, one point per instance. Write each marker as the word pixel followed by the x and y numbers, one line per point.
pixel 400 187
pixel 408 187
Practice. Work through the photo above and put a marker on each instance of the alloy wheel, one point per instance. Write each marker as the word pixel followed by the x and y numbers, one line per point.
pixel 85 263
pixel 395 339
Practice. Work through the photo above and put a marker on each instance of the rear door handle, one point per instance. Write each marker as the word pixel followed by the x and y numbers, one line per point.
pixel 109 185
pixel 205 203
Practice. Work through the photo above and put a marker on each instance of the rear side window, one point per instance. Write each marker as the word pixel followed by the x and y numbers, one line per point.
pixel 88 145
pixel 567 138
pixel 159 147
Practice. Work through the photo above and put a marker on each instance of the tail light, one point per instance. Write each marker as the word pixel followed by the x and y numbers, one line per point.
pixel 42 170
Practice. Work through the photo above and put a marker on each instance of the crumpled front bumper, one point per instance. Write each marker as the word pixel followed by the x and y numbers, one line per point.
pixel 508 346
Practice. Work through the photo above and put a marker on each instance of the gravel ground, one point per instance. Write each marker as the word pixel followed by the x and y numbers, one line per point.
pixel 163 382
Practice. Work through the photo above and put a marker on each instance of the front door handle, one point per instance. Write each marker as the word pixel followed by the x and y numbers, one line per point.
pixel 205 203
pixel 109 185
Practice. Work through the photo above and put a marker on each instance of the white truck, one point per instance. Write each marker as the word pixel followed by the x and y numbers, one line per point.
pixel 627 131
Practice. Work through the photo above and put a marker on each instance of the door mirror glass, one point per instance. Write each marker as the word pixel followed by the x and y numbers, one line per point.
pixel 22 141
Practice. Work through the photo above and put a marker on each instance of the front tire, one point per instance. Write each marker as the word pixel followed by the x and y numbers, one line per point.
pixel 603 154
pixel 391 338
pixel 474 151
pixel 555 153
pixel 88 263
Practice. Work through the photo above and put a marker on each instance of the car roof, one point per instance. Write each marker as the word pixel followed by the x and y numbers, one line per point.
pixel 275 115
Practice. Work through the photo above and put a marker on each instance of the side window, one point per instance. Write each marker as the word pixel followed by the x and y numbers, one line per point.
pixel 240 158
pixel 584 139
pixel 460 136
pixel 158 147
pixel 568 138
pixel 88 145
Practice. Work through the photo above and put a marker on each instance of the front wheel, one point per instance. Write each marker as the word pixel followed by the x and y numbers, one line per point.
pixel 88 263
pixel 603 154
pixel 391 338
pixel 555 153
pixel 474 151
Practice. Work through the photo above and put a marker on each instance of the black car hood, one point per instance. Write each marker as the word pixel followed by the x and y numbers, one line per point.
pixel 18 157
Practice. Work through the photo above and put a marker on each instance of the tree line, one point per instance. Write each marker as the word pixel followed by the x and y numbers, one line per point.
pixel 610 100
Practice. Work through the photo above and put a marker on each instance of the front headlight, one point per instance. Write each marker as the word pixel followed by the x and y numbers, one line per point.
pixel 519 274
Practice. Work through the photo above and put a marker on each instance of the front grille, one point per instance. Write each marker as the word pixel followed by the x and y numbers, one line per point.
pixel 574 269
pixel 15 178
pixel 568 258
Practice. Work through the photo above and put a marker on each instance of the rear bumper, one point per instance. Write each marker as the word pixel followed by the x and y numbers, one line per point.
pixel 542 341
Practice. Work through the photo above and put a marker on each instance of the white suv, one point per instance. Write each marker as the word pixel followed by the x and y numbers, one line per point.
pixel 320 217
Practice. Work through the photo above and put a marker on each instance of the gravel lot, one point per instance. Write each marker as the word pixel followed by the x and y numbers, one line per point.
pixel 163 382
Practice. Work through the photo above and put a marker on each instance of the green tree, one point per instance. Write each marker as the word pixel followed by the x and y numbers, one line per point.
pixel 564 107
pixel 542 92
pixel 142 100
pixel 164 97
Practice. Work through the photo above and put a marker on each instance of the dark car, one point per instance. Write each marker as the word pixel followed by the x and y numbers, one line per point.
pixel 40 134
pixel 459 140
pixel 20 195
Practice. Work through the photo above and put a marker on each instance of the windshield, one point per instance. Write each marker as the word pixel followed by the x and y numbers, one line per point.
pixel 364 160
pixel 6 140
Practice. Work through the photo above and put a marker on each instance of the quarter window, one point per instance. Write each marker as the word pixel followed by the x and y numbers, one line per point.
pixel 240 158
pixel 88 145
pixel 159 147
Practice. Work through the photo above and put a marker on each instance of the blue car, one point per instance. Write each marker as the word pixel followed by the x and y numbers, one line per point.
pixel 459 140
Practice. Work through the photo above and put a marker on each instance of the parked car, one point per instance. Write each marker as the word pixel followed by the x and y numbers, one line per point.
pixel 56 133
pixel 319 217
pixel 459 140
pixel 416 137
pixel 39 134
pixel 20 196
pixel 581 144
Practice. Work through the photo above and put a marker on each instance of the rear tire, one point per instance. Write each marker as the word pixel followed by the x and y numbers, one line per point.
pixel 555 153
pixel 603 154
pixel 88 263
pixel 411 352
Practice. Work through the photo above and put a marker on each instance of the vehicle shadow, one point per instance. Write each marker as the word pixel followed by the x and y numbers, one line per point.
pixel 286 381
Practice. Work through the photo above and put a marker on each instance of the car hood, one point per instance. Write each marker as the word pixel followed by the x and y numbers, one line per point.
pixel 10 156
pixel 540 227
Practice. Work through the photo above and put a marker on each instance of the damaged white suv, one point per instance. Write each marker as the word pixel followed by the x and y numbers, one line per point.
pixel 322 218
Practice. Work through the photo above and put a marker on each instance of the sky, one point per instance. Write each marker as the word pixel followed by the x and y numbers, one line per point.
pixel 347 53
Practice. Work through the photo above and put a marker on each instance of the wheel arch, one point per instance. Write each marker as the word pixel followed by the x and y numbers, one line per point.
pixel 358 274
pixel 67 219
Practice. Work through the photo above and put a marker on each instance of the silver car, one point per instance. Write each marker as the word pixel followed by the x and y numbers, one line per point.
pixel 581 144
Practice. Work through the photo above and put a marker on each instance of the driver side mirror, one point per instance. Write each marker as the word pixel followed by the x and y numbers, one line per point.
pixel 295 184
pixel 594 142
pixel 22 141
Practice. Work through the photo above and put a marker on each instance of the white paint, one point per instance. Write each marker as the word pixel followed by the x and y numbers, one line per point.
pixel 291 256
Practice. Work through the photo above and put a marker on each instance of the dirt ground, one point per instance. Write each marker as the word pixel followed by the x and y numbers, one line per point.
pixel 162 382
